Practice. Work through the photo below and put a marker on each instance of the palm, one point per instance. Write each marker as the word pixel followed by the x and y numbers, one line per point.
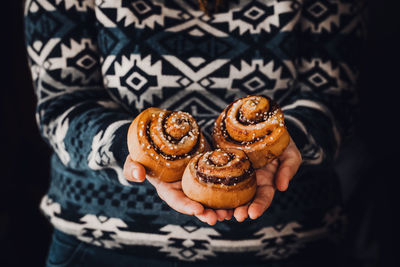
pixel 275 175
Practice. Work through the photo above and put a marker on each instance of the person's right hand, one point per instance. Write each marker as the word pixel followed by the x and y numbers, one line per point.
pixel 173 195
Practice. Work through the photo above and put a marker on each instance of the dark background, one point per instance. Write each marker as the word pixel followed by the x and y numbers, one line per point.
pixel 25 233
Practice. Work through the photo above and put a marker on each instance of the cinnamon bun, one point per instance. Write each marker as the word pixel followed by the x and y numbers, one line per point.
pixel 164 142
pixel 254 124
pixel 220 179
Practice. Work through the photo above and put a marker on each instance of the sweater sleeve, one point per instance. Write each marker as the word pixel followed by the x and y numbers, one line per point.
pixel 75 114
pixel 321 107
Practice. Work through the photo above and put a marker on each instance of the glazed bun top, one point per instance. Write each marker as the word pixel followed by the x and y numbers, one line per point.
pixel 225 167
pixel 171 135
pixel 251 120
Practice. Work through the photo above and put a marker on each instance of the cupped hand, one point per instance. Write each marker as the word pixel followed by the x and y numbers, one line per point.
pixel 275 175
pixel 173 195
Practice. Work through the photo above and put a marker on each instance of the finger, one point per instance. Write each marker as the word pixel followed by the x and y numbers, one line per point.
pixel 208 216
pixel 221 214
pixel 154 181
pixel 290 164
pixel 265 175
pixel 240 213
pixel 176 199
pixel 179 202
pixel 230 214
pixel 134 171
pixel 261 202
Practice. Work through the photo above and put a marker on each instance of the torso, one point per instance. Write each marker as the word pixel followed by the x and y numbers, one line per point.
pixel 171 55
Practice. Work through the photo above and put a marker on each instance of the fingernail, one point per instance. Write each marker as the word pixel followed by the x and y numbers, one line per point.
pixel 239 219
pixel 135 173
pixel 253 216
pixel 285 187
pixel 199 211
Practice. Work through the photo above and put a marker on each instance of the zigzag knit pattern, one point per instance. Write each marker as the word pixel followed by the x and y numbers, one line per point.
pixel 97 64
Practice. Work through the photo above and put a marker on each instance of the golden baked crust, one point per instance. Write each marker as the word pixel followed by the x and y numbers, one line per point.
pixel 254 124
pixel 164 142
pixel 220 179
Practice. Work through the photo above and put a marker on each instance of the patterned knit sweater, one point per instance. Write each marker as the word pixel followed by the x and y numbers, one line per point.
pixel 97 64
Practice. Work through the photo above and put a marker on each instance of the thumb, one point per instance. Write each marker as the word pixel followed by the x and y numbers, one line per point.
pixel 134 171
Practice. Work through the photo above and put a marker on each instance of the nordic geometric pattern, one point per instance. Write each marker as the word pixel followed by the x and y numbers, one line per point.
pixel 97 64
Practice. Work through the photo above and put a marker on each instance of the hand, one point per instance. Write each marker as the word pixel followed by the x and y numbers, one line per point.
pixel 173 195
pixel 275 175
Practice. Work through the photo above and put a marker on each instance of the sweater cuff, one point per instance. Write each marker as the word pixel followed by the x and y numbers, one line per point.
pixel 298 136
pixel 120 146
pixel 311 151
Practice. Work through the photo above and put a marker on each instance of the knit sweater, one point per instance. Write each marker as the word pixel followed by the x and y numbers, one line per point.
pixel 97 64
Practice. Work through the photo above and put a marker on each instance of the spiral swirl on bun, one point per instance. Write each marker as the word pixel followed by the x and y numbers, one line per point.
pixel 254 124
pixel 164 142
pixel 220 179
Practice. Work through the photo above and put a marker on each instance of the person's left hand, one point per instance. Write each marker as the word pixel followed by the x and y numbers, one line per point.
pixel 275 175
